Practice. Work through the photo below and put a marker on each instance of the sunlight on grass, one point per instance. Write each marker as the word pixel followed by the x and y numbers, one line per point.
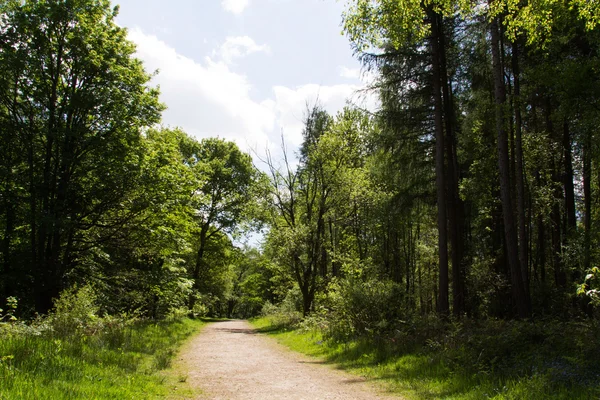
pixel 419 374
pixel 126 364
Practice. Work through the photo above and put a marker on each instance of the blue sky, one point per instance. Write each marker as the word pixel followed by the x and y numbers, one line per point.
pixel 244 70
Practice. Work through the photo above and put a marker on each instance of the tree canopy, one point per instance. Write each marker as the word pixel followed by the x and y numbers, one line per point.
pixel 470 191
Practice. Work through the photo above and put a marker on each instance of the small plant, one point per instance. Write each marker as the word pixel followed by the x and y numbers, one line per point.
pixel 75 312
pixel 591 286
pixel 9 314
pixel 361 307
pixel 162 359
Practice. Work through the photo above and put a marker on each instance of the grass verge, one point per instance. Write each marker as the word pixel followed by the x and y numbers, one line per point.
pixel 430 372
pixel 130 362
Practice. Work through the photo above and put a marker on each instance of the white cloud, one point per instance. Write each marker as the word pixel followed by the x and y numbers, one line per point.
pixel 235 6
pixel 350 73
pixel 207 99
pixel 239 46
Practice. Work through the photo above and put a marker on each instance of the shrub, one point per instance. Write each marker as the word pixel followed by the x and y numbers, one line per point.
pixel 286 315
pixel 360 307
pixel 75 312
pixel 591 286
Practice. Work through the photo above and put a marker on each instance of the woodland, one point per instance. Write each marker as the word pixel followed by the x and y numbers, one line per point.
pixel 460 216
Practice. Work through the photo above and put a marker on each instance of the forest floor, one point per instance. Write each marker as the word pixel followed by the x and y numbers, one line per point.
pixel 231 360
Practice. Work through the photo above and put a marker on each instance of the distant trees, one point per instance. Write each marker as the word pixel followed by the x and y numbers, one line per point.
pixel 225 178
pixel 310 203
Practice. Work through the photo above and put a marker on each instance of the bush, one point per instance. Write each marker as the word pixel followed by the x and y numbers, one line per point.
pixel 75 312
pixel 357 307
pixel 286 315
pixel 591 286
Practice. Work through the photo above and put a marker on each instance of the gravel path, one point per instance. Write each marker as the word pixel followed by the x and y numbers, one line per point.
pixel 229 360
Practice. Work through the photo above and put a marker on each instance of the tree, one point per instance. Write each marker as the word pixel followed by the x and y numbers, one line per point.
pixel 144 264
pixel 510 230
pixel 315 204
pixel 74 100
pixel 403 25
pixel 299 203
pixel 225 180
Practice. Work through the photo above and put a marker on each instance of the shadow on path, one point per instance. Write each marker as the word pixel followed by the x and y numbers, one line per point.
pixel 237 330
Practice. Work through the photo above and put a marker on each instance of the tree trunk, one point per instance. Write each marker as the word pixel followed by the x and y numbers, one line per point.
pixel 560 277
pixel 569 187
pixel 454 204
pixel 541 248
pixel 587 199
pixel 197 267
pixel 518 289
pixel 520 170
pixel 6 270
pixel 440 180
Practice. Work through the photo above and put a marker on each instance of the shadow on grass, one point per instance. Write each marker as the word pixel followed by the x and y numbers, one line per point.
pixel 315 362
pixel 503 360
pixel 417 371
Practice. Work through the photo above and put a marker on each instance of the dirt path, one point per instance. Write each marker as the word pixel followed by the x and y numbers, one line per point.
pixel 229 360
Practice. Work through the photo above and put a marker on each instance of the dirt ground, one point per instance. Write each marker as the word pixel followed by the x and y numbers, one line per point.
pixel 230 360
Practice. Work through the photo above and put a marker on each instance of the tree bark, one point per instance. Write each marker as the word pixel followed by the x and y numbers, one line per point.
pixel 197 267
pixel 520 170
pixel 443 295
pixel 454 203
pixel 587 199
pixel 569 187
pixel 518 289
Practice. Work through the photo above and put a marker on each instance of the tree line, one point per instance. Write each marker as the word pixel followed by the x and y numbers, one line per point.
pixel 471 191
pixel 473 188
pixel 93 190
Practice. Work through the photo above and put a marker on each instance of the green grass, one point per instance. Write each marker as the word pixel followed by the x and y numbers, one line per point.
pixel 125 363
pixel 426 373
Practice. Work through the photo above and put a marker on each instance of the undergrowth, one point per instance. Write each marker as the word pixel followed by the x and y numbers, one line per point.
pixel 432 359
pixel 75 354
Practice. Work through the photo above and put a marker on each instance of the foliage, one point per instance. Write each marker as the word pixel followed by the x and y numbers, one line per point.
pixel 286 315
pixel 75 353
pixel 591 286
pixel 476 176
pixel 75 312
pixel 355 307
pixel 9 314
pixel 430 358
pixel 74 101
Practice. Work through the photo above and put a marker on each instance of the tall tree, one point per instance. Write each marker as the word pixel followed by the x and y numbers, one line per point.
pixel 510 232
pixel 372 24
pixel 225 180
pixel 76 99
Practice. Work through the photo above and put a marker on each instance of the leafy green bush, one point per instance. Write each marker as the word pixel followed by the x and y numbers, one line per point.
pixel 287 314
pixel 11 307
pixel 75 312
pixel 356 307
pixel 591 286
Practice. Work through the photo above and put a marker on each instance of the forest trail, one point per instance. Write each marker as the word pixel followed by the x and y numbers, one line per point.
pixel 230 360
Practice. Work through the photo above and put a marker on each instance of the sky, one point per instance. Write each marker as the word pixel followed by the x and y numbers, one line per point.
pixel 244 70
